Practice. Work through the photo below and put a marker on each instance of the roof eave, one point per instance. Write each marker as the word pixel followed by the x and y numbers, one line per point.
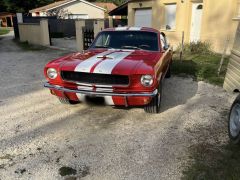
pixel 48 9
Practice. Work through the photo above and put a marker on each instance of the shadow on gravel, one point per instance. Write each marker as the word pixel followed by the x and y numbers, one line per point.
pixel 213 162
pixel 56 124
pixel 210 158
pixel 95 117
pixel 177 91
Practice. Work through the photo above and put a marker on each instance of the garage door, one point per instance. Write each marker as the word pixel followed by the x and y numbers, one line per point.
pixel 143 17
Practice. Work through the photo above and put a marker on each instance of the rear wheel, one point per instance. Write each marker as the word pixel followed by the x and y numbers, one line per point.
pixel 234 122
pixel 155 104
pixel 67 101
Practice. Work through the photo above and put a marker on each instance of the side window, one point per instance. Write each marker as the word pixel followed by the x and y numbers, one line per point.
pixel 170 16
pixel 164 41
pixel 102 40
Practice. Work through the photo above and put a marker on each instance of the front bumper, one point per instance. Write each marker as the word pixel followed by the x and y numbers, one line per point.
pixel 60 88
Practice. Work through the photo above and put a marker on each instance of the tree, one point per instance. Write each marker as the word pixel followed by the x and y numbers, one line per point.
pixel 117 2
pixel 60 13
pixel 3 7
pixel 23 6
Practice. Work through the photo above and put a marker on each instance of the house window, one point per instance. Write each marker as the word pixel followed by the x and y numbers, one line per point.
pixel 78 16
pixel 170 16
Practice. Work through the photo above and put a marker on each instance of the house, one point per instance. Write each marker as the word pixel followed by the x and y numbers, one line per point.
pixel 6 19
pixel 200 20
pixel 108 6
pixel 71 9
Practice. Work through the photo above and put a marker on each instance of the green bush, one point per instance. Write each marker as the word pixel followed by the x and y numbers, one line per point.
pixel 202 67
pixel 196 48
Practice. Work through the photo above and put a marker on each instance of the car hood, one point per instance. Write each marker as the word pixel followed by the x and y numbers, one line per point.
pixel 124 62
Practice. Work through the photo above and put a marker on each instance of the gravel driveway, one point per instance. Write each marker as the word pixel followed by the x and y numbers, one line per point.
pixel 43 139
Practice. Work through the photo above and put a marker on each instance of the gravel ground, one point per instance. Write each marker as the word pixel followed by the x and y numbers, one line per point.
pixel 66 43
pixel 43 139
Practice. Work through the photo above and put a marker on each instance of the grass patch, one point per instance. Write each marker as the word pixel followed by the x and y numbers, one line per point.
pixel 4 31
pixel 213 162
pixel 29 47
pixel 201 65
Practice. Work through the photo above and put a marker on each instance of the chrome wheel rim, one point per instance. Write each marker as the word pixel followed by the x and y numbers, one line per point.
pixel 235 120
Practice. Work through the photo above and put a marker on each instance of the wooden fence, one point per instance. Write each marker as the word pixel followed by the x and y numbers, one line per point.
pixel 232 79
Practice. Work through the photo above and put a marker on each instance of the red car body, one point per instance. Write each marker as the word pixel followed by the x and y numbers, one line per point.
pixel 114 74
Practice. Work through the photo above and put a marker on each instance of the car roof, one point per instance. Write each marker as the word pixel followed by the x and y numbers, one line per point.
pixel 132 29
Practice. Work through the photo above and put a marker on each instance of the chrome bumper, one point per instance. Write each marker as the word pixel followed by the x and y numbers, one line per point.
pixel 60 88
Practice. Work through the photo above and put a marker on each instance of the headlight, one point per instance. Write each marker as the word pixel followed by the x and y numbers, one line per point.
pixel 146 80
pixel 52 73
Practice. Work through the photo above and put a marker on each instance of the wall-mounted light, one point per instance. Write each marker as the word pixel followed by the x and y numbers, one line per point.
pixel 182 1
pixel 140 4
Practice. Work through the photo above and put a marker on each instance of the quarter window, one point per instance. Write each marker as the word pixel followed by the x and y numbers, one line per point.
pixel 170 16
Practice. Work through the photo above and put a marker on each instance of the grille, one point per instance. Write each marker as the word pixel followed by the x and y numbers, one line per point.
pixel 93 78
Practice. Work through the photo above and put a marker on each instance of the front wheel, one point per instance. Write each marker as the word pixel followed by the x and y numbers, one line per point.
pixel 234 121
pixel 155 104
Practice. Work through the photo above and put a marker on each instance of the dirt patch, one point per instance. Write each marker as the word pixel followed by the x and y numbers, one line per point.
pixel 20 171
pixel 66 171
pixel 73 173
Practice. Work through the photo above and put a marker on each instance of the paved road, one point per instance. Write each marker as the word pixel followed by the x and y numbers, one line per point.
pixel 40 138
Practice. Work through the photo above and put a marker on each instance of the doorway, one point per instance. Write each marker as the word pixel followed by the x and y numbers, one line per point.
pixel 143 18
pixel 196 22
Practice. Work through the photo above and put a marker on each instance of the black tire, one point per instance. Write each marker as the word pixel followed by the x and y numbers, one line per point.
pixel 155 104
pixel 67 101
pixel 168 74
pixel 234 121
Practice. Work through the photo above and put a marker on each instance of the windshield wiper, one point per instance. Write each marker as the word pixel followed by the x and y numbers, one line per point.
pixel 131 47
pixel 103 46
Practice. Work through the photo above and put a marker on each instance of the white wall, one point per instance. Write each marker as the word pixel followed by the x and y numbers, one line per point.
pixel 34 33
pixel 82 8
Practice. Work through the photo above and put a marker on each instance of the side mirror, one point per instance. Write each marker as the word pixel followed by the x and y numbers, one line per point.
pixel 166 47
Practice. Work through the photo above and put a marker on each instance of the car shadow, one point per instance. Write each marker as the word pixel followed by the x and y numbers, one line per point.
pixel 177 91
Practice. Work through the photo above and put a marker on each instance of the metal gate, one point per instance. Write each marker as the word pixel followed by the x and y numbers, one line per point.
pixel 88 37
pixel 15 27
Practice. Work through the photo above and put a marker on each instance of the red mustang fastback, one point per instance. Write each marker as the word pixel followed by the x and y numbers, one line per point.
pixel 124 65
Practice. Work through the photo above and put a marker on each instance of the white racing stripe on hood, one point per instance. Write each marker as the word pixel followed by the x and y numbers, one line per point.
pixel 135 28
pixel 87 64
pixel 106 66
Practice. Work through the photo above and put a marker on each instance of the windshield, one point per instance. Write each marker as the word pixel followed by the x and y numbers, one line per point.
pixel 139 40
